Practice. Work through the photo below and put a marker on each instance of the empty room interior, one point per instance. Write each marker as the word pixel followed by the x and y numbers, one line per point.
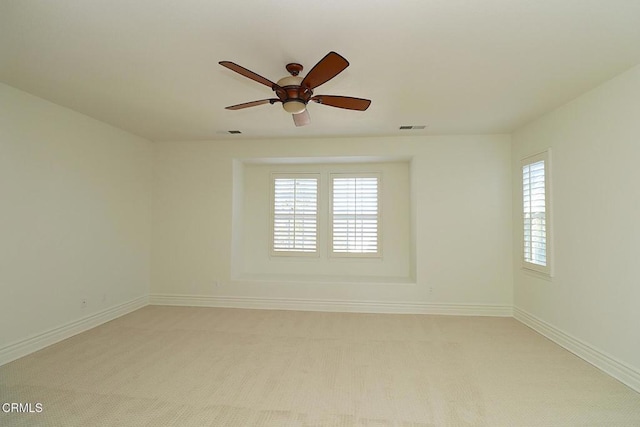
pixel 356 213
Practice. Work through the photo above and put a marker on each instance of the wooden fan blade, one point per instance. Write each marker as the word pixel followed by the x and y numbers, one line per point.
pixel 328 67
pixel 248 73
pixel 252 104
pixel 346 102
pixel 302 119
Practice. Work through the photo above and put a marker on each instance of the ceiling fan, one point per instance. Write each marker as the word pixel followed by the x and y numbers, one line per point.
pixel 295 92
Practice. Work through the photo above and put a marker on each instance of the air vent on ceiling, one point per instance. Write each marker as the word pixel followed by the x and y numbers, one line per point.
pixel 234 132
pixel 414 127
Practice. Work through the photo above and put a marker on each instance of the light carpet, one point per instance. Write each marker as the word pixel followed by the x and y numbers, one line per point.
pixel 188 366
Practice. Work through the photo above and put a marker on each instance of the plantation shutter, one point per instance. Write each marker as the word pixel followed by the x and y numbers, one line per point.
pixel 355 215
pixel 534 210
pixel 295 214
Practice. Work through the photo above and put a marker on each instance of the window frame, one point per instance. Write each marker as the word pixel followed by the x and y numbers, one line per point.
pixel 331 252
pixel 545 270
pixel 293 253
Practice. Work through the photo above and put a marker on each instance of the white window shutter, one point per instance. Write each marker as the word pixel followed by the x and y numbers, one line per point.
pixel 355 215
pixel 295 215
pixel 535 208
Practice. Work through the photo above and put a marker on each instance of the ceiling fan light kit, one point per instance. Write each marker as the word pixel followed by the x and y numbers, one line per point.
pixel 295 92
pixel 294 106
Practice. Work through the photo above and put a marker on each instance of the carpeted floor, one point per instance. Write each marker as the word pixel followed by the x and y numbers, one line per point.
pixel 186 366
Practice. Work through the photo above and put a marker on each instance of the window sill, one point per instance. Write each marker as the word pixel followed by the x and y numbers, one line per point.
pixel 537 274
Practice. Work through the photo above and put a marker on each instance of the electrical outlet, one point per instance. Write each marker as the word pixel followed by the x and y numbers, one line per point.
pixel 430 289
pixel 216 283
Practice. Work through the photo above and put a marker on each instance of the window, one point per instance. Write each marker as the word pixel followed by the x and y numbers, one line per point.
pixel 350 214
pixel 355 212
pixel 535 209
pixel 295 214
pixel 264 251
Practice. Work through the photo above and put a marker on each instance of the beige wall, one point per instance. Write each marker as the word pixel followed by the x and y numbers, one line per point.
pixel 595 293
pixel 461 191
pixel 74 216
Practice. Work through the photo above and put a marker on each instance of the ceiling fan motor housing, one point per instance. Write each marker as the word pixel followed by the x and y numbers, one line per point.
pixel 294 97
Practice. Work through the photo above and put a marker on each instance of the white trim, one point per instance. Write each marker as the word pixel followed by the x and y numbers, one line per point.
pixel 37 342
pixel 332 305
pixel 610 365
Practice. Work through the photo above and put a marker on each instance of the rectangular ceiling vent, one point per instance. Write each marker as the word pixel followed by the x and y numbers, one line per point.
pixel 234 132
pixel 414 127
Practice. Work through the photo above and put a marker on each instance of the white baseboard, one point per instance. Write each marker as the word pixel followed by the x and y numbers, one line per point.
pixel 610 365
pixel 37 342
pixel 332 305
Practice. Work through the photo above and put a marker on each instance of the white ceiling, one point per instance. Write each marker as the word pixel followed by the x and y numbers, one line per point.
pixel 458 66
